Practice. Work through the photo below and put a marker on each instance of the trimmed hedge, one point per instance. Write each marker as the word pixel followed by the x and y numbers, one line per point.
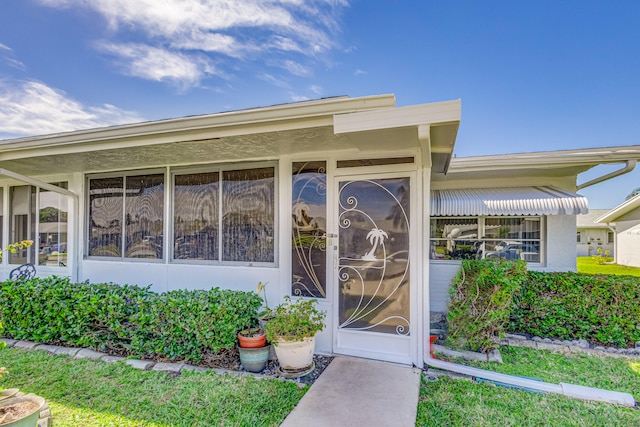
pixel 602 309
pixel 176 325
pixel 481 302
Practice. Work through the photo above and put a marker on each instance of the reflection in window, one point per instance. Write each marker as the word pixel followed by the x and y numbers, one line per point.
pixel 105 216
pixel 141 212
pixel 248 215
pixel 52 227
pixel 144 210
pixel 195 216
pixel 23 222
pixel 491 237
pixel 309 219
pixel 454 238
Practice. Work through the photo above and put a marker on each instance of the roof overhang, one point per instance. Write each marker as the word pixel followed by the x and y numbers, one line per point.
pixel 543 163
pixel 620 210
pixel 364 124
pixel 506 201
pixel 431 127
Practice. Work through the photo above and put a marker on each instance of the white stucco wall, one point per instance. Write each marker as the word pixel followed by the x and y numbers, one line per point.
pixel 628 239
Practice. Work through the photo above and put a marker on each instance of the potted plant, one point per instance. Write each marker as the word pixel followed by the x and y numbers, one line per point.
pixel 254 353
pixel 253 348
pixel 21 411
pixel 264 315
pixel 252 338
pixel 292 329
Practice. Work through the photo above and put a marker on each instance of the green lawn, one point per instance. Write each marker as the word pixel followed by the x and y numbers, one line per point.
pixel 588 265
pixel 464 403
pixel 94 393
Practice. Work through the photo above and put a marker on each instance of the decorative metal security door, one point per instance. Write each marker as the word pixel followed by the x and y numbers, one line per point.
pixel 373 268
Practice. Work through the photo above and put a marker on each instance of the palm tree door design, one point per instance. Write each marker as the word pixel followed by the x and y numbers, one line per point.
pixel 373 267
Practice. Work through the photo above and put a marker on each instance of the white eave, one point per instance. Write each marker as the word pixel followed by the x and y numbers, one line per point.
pixel 286 116
pixel 435 128
pixel 620 210
pixel 506 201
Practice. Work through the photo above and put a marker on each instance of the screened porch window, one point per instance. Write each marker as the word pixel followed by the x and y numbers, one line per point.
pixel 458 238
pixel 126 216
pixel 39 215
pixel 225 215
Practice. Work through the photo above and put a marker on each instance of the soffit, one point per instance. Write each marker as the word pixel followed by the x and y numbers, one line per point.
pixel 268 145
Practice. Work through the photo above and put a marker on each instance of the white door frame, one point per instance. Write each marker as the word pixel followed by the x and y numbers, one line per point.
pixel 393 348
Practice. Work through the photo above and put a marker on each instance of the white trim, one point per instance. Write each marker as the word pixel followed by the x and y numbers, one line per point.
pixel 620 210
pixel 388 118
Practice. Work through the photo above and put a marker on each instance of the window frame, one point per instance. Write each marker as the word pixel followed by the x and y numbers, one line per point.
pixel 221 168
pixel 169 174
pixel 481 221
pixel 87 225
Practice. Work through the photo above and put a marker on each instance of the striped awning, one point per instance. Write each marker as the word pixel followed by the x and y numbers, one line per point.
pixel 507 201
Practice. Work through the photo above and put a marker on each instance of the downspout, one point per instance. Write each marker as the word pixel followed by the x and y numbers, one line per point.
pixel 628 167
pixel 36 182
pixel 569 390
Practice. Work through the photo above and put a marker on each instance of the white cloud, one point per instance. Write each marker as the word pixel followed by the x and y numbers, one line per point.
pixel 297 98
pixel 4 47
pixel 359 72
pixel 269 78
pixel 295 68
pixel 159 64
pixel 316 89
pixel 232 28
pixel 33 108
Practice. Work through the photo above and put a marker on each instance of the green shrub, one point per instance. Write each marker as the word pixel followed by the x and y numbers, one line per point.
pixel 602 309
pixel 481 302
pixel 178 324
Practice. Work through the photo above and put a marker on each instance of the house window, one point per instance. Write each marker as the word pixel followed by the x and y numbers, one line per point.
pixel 225 215
pixel 195 216
pixel 53 211
pixel 126 216
pixel 23 222
pixel 610 237
pixel 39 215
pixel 248 215
pixel 579 237
pixel 459 238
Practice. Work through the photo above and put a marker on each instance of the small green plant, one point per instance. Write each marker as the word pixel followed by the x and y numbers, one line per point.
pixel 3 370
pixel 295 320
pixel 481 302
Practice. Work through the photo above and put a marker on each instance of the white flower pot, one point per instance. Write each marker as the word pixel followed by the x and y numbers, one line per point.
pixel 295 355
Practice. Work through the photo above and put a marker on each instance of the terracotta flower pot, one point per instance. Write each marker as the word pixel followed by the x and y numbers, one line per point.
pixel 254 338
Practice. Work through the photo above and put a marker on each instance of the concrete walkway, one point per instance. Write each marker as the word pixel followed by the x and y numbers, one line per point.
pixel 357 392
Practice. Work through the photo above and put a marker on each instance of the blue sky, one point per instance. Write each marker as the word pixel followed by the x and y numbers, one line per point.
pixel 532 75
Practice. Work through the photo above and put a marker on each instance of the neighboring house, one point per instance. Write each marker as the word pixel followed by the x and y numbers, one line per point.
pixel 625 220
pixel 355 202
pixel 592 235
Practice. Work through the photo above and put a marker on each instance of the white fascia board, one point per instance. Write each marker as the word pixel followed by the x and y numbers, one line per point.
pixel 547 159
pixel 234 123
pixel 619 210
pixel 389 118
